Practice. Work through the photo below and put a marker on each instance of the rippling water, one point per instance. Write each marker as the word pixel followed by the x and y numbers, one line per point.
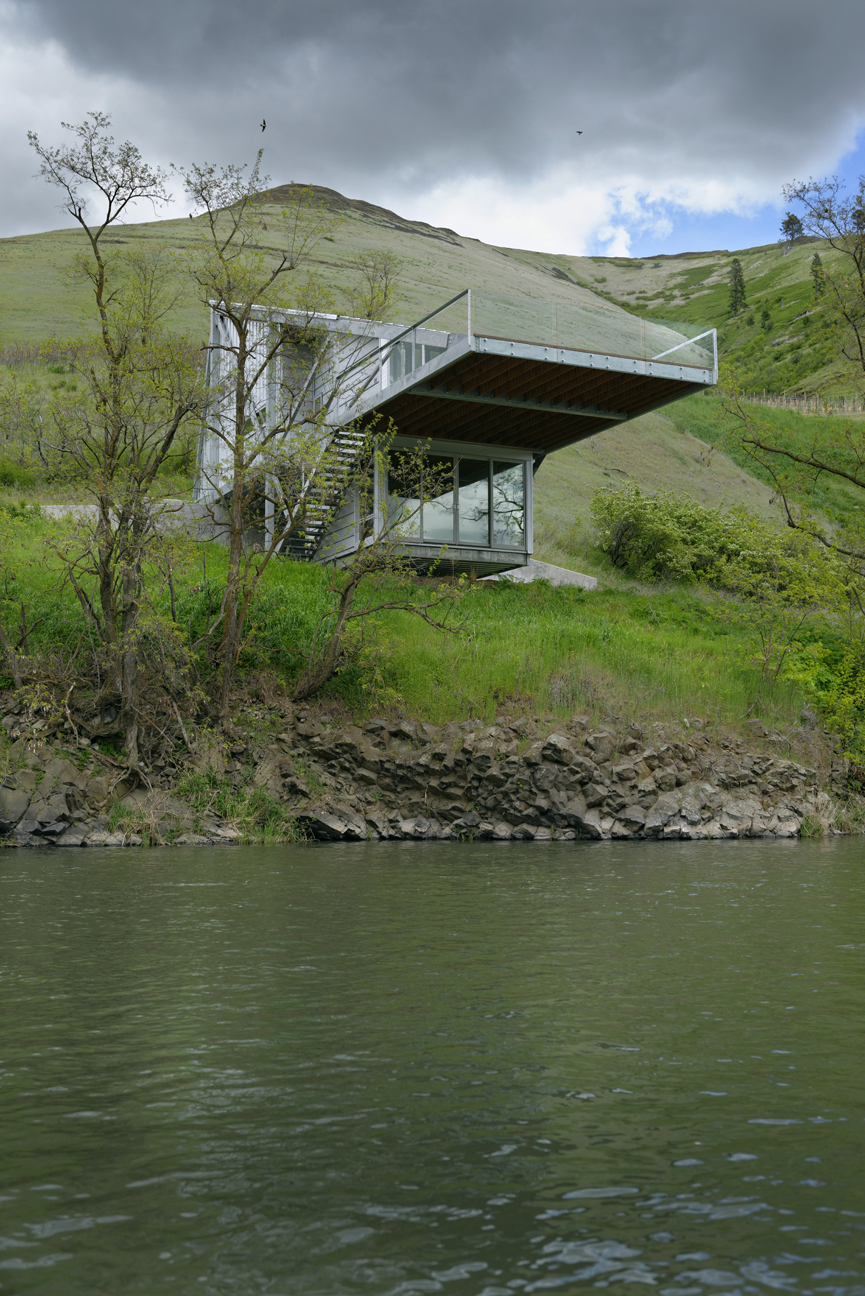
pixel 405 1068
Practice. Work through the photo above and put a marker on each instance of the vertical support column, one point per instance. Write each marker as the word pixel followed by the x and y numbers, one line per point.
pixel 471 339
pixel 269 512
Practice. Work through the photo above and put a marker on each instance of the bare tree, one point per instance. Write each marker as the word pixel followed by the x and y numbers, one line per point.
pixel 140 385
pixel 376 293
pixel 413 479
pixel 278 377
pixel 838 217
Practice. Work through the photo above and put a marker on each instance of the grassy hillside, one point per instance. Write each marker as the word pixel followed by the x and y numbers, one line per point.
pixel 658 452
pixel 681 449
pixel 38 301
pixel 661 652
pixel 653 654
pixel 790 349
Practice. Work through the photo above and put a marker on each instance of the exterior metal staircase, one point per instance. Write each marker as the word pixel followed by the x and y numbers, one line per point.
pixel 323 495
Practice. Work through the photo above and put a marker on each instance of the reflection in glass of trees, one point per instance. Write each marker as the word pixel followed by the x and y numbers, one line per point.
pixel 405 491
pixel 403 498
pixel 509 511
pixel 470 501
pixel 438 509
pixel 474 501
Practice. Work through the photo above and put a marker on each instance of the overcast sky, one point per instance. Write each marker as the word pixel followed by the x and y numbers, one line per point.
pixel 463 112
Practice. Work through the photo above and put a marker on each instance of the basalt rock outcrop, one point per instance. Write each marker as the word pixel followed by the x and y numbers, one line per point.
pixel 47 799
pixel 523 781
pixel 518 780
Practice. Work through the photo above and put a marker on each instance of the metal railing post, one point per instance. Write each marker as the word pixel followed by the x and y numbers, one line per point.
pixel 470 315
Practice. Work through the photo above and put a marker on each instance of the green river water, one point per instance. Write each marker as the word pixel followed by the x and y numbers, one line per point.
pixel 414 1068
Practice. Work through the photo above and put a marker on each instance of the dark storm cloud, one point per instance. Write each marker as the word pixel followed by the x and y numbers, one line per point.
pixel 711 104
pixel 425 91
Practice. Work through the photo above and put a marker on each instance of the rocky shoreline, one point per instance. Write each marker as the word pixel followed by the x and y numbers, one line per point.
pixel 516 780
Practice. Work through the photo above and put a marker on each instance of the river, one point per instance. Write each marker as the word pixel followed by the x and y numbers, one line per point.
pixel 403 1068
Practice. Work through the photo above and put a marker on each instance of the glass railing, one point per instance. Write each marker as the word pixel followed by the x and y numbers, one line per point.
pixel 594 328
pixel 589 328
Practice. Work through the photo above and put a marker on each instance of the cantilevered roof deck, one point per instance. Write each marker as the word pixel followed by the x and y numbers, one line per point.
pixel 529 374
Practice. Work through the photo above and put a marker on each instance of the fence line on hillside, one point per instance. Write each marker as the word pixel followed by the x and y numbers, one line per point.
pixel 802 404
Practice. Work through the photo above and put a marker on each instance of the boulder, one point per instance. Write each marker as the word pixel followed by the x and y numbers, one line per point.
pixel 467 823
pixel 590 825
pixel 326 825
pixel 665 808
pixel 59 771
pixel 716 832
pixel 633 817
pixel 377 821
pixel 98 789
pixel 13 806
pixel 624 773
pixel 76 835
pixel 49 812
pixel 557 748
pixel 603 745
pixel 418 828
pixel 102 837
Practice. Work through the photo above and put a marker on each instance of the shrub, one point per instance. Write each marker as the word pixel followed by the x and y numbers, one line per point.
pixel 672 537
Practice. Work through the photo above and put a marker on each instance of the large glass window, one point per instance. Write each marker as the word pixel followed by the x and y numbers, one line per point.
pixel 509 508
pixel 403 497
pixel 407 356
pixel 401 361
pixel 438 509
pixel 474 501
pixel 466 501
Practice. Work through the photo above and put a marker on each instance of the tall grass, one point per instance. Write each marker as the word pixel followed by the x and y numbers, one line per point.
pixel 662 653
pixel 560 651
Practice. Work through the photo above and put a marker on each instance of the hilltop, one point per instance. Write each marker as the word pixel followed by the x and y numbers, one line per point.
pixel 790 348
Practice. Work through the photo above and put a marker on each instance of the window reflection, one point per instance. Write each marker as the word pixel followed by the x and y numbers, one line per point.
pixel 408 356
pixel 403 497
pixel 474 501
pixel 487 507
pixel 508 504
pixel 438 509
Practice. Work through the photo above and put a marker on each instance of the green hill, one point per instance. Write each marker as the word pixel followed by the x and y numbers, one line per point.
pixel 788 349
pixel 692 659
pixel 39 300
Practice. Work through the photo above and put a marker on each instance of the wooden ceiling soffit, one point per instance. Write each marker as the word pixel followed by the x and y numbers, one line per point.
pixel 576 410
pixel 587 392
pixel 525 402
pixel 499 426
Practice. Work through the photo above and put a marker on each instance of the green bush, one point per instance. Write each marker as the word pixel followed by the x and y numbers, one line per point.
pixel 16 476
pixel 671 537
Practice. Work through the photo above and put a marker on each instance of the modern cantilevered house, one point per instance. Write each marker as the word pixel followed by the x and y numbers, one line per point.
pixel 491 386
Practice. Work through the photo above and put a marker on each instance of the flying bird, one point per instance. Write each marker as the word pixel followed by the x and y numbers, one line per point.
pixel 263 123
pixel 579 132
